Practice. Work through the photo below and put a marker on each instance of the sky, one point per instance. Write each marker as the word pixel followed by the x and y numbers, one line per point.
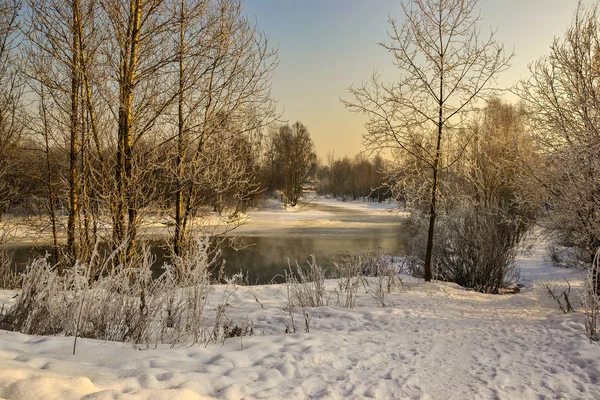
pixel 327 45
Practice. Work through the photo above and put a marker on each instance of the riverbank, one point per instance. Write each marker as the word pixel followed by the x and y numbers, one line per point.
pixel 431 341
pixel 270 215
pixel 319 212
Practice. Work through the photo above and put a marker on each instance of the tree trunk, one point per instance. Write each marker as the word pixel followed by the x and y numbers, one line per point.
pixel 126 211
pixel 436 169
pixel 179 226
pixel 73 178
pixel 51 197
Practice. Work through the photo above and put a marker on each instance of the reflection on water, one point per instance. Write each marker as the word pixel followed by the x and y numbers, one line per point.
pixel 264 255
pixel 266 258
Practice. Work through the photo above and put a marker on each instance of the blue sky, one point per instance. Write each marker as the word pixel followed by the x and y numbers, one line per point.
pixel 325 46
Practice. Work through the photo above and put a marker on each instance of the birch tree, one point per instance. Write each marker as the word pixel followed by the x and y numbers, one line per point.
pixel 445 65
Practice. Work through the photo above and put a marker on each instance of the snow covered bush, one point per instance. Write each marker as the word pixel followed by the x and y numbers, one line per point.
pixel 475 247
pixel 591 300
pixel 349 271
pixel 42 301
pixel 376 263
pixel 566 255
pixel 305 288
pixel 383 276
pixel 186 286
pixel 130 305
pixel 119 305
pixel 373 270
pixel 123 304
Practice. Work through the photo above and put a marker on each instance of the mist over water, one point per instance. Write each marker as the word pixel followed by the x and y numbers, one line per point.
pixel 262 254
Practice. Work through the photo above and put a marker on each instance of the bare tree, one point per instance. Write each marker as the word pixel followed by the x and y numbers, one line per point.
pixel 135 55
pixel 190 16
pixel 563 104
pixel 44 130
pixel 295 160
pixel 54 50
pixel 11 113
pixel 223 70
pixel 445 66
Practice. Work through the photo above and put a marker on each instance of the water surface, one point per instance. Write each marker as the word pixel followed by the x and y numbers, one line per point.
pixel 269 246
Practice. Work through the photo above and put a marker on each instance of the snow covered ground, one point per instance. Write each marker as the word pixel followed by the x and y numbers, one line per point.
pixel 434 341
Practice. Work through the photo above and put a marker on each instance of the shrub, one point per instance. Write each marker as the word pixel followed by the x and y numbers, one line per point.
pixel 9 277
pixel 186 284
pixel 40 307
pixel 474 247
pixel 477 250
pixel 305 289
pixel 121 304
pixel 591 301
pixel 379 266
pixel 349 270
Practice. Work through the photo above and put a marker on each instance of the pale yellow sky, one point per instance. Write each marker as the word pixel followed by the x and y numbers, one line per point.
pixel 326 45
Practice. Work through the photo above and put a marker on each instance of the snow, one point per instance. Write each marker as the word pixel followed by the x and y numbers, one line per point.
pixel 363 206
pixel 435 341
pixel 316 212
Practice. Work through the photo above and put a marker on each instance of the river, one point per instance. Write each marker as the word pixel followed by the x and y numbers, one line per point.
pixel 273 235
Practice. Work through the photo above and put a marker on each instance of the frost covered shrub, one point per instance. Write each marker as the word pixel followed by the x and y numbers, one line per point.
pixel 117 306
pixel 376 263
pixel 122 304
pixel 9 277
pixel 474 247
pixel 477 250
pixel 379 266
pixel 591 301
pixel 129 305
pixel 567 256
pixel 349 270
pixel 42 301
pixel 373 270
pixel 186 284
pixel 305 289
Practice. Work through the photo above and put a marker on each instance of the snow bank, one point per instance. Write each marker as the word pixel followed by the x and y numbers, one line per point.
pixel 318 212
pixel 372 207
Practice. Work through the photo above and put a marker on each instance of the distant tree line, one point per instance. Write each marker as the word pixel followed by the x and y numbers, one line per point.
pixel 355 178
